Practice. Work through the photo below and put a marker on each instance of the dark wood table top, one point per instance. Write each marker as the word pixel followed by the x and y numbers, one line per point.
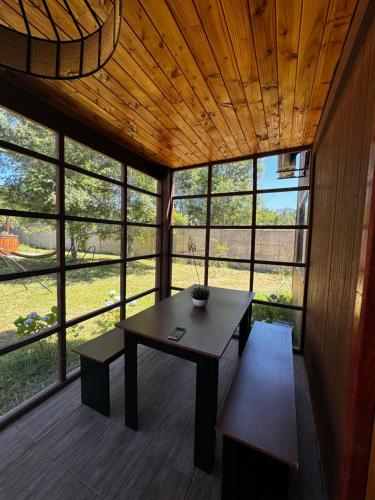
pixel 209 329
pixel 260 409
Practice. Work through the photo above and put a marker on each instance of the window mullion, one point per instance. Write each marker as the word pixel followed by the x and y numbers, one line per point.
pixel 124 232
pixel 253 222
pixel 208 224
pixel 60 246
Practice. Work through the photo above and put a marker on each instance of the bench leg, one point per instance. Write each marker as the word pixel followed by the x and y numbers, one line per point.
pixel 248 474
pixel 229 475
pixel 244 331
pixel 95 385
pixel 131 382
pixel 205 413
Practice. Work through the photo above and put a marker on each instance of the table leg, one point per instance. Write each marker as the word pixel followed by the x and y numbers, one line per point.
pixel 244 331
pixel 205 413
pixel 131 399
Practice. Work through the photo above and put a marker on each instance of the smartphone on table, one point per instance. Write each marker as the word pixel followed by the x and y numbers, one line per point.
pixel 177 333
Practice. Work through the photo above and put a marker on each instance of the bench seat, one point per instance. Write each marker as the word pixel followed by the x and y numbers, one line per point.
pixel 105 348
pixel 95 357
pixel 258 421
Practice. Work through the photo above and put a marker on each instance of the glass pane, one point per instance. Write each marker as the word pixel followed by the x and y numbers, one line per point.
pixel 88 330
pixel 89 159
pixel 271 314
pixel 282 171
pixel 141 180
pixel 140 276
pixel 190 181
pixel 232 243
pixel 141 241
pixel 89 197
pixel 186 273
pixel 26 183
pixel 278 209
pixel 302 207
pixel 138 305
pixel 91 288
pixel 230 177
pixel 282 284
pixel 19 130
pixel 86 242
pixel 182 237
pixel 235 275
pixel 190 212
pixel 142 207
pixel 283 245
pixel 26 244
pixel 27 371
pixel 231 210
pixel 27 306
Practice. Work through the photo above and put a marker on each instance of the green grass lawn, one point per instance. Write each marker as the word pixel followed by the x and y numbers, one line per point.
pixel 25 372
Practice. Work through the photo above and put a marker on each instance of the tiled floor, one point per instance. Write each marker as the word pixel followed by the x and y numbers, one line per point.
pixel 63 450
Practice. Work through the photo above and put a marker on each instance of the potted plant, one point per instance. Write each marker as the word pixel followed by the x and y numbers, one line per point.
pixel 199 293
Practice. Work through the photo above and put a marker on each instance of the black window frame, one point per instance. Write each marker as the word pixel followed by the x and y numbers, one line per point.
pixel 61 267
pixel 252 261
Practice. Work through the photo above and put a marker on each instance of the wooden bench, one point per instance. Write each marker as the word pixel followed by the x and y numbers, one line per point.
pixel 96 356
pixel 258 421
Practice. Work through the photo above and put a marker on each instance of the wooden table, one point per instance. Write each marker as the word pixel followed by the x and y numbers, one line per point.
pixel 209 330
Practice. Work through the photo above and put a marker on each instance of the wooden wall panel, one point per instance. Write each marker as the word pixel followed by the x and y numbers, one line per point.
pixel 341 180
pixel 370 491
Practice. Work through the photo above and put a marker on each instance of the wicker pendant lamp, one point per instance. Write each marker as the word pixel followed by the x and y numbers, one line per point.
pixel 56 58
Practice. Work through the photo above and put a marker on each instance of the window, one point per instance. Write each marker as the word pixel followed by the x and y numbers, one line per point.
pixel 140 276
pixel 248 235
pixel 27 371
pixel 190 212
pixel 26 133
pixel 181 237
pixel 143 181
pixel 185 273
pixel 142 241
pixel 90 197
pixel 27 244
pixel 91 242
pixel 231 210
pixel 91 288
pixel 232 177
pixel 28 306
pixel 230 243
pixel 82 156
pixel 190 182
pixel 84 249
pixel 27 184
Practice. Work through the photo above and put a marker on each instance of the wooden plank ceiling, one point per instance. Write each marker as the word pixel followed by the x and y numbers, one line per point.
pixel 201 80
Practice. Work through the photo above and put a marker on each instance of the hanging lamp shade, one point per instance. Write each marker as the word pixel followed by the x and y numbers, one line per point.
pixel 56 58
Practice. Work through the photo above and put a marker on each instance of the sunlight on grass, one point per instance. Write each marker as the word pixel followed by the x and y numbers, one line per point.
pixel 220 274
pixel 139 305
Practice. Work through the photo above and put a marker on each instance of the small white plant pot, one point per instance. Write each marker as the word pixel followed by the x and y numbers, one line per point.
pixel 199 303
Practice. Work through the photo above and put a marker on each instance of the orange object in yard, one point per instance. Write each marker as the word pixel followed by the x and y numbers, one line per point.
pixel 9 243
